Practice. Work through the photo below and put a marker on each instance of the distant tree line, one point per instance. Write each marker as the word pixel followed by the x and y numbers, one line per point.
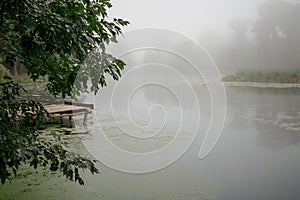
pixel 271 41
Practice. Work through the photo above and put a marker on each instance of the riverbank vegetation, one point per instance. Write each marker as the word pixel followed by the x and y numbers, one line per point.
pixel 50 40
pixel 265 76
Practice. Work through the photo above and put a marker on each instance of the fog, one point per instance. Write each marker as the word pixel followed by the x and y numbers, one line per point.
pixel 238 34
pixel 169 128
pixel 188 17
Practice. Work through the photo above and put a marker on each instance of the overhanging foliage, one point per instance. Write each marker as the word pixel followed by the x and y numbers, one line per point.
pixel 52 38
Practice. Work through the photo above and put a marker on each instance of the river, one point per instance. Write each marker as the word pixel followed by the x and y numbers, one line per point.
pixel 256 157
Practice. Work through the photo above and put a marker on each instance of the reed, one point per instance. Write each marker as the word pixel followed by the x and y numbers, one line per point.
pixel 265 76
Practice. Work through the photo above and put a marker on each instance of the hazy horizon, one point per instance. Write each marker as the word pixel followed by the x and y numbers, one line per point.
pixel 238 34
pixel 191 18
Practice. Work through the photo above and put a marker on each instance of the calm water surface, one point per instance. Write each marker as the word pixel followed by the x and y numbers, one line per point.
pixel 257 156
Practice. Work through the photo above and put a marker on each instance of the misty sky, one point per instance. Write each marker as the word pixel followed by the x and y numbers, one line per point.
pixel 213 23
pixel 190 17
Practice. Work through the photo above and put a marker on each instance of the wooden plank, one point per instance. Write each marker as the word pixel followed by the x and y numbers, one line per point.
pixel 66 109
pixel 70 114
pixel 88 105
pixel 60 111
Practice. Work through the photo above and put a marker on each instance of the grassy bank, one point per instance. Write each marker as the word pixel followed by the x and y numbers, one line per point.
pixel 265 76
pixel 22 79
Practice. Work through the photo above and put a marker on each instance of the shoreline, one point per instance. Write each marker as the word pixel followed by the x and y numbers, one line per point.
pixel 261 85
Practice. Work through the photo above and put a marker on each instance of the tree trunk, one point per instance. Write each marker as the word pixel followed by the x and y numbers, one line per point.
pixel 15 67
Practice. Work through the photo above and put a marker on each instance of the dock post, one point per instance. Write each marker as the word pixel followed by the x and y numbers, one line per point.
pixel 85 119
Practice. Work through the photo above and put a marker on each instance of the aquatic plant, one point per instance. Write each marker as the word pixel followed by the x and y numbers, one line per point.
pixel 265 76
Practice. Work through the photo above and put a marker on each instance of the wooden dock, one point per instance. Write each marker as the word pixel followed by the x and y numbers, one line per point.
pixel 70 109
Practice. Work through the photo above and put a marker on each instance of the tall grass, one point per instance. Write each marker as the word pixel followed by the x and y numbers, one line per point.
pixel 22 78
pixel 265 76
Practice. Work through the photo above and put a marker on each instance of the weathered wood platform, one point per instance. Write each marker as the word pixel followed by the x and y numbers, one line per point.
pixel 60 111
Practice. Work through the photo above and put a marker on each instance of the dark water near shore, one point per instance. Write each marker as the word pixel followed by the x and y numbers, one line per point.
pixel 257 157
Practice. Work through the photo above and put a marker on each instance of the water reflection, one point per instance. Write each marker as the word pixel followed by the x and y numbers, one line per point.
pixel 257 156
pixel 273 112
